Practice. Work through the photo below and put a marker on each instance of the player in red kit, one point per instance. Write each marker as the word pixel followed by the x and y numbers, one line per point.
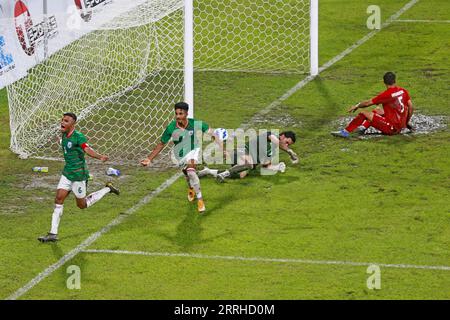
pixel 391 119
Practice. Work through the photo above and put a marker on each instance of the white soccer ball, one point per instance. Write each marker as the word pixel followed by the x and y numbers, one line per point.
pixel 221 133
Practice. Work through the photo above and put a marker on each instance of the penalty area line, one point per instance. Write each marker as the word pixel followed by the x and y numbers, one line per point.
pixel 423 21
pixel 48 271
pixel 260 259
pixel 86 243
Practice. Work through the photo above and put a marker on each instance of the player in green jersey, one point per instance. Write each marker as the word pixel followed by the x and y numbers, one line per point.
pixel 257 153
pixel 183 132
pixel 75 174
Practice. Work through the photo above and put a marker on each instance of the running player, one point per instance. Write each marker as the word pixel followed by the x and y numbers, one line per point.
pixel 183 132
pixel 75 174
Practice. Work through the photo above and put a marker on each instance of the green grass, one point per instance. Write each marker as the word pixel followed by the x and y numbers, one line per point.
pixel 382 200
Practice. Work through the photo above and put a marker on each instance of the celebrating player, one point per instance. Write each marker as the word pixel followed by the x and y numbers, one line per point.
pixel 75 174
pixel 249 158
pixel 183 132
pixel 391 119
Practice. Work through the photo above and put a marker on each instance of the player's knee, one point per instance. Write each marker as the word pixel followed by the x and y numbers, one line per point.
pixel 368 115
pixel 378 110
pixel 59 200
pixel 82 205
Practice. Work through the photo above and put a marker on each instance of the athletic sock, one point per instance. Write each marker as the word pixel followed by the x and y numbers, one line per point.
pixel 225 174
pixel 206 172
pixel 276 167
pixel 239 168
pixel 194 181
pixel 366 124
pixel 57 213
pixel 96 196
pixel 213 172
pixel 359 120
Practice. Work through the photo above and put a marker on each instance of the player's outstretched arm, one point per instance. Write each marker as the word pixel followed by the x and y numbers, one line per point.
pixel 153 155
pixel 90 152
pixel 363 104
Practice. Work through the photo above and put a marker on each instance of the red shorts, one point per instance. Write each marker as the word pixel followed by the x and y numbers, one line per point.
pixel 384 125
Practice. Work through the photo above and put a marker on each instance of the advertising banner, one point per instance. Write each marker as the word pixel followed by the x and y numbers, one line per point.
pixel 31 31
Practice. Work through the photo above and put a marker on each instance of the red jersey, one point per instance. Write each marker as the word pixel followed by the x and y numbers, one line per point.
pixel 395 104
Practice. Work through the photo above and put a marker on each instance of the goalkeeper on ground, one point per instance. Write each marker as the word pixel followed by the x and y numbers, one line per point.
pixel 250 157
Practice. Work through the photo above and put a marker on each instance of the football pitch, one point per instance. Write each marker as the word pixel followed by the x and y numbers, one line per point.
pixel 310 233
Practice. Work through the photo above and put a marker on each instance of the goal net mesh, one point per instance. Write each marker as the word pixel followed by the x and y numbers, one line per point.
pixel 123 78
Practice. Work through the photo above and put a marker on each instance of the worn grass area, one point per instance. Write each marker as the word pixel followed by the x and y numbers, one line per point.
pixel 381 200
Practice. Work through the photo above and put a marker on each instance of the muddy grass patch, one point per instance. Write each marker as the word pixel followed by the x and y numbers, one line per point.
pixel 422 124
pixel 277 117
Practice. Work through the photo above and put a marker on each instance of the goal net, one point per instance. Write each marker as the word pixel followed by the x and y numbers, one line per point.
pixel 123 77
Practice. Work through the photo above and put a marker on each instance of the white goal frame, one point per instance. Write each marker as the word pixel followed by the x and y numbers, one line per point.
pixel 189 48
pixel 122 65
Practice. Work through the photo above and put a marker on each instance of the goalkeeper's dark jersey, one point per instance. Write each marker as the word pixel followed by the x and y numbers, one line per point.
pixel 73 149
pixel 261 148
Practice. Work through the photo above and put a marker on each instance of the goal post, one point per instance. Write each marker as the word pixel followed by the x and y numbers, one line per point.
pixel 314 38
pixel 189 55
pixel 121 65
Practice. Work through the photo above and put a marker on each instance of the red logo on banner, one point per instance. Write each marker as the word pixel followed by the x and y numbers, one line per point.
pixel 23 22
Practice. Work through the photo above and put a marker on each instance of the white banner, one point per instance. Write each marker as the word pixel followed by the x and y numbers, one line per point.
pixel 33 30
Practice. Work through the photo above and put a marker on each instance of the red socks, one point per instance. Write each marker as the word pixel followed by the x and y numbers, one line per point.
pixel 358 121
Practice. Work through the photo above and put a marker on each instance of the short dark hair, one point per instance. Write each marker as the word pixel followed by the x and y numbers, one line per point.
pixel 72 115
pixel 389 78
pixel 182 106
pixel 289 134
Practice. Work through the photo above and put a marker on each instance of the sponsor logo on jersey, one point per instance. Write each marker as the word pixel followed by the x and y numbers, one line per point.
pixel 69 144
pixel 6 59
pixel 30 34
pixel 397 94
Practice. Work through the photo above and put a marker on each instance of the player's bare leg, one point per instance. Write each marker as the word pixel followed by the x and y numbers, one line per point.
pixel 368 115
pixel 94 197
pixel 236 169
pixel 208 172
pixel 82 203
pixel 379 110
pixel 243 174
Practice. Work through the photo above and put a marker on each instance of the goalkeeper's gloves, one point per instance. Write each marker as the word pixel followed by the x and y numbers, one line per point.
pixel 293 155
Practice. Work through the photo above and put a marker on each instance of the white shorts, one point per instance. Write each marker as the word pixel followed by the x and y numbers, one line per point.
pixel 192 155
pixel 77 187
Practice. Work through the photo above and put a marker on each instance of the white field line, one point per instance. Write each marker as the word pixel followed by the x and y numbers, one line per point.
pixel 44 274
pixel 260 259
pixel 93 238
pixel 424 21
